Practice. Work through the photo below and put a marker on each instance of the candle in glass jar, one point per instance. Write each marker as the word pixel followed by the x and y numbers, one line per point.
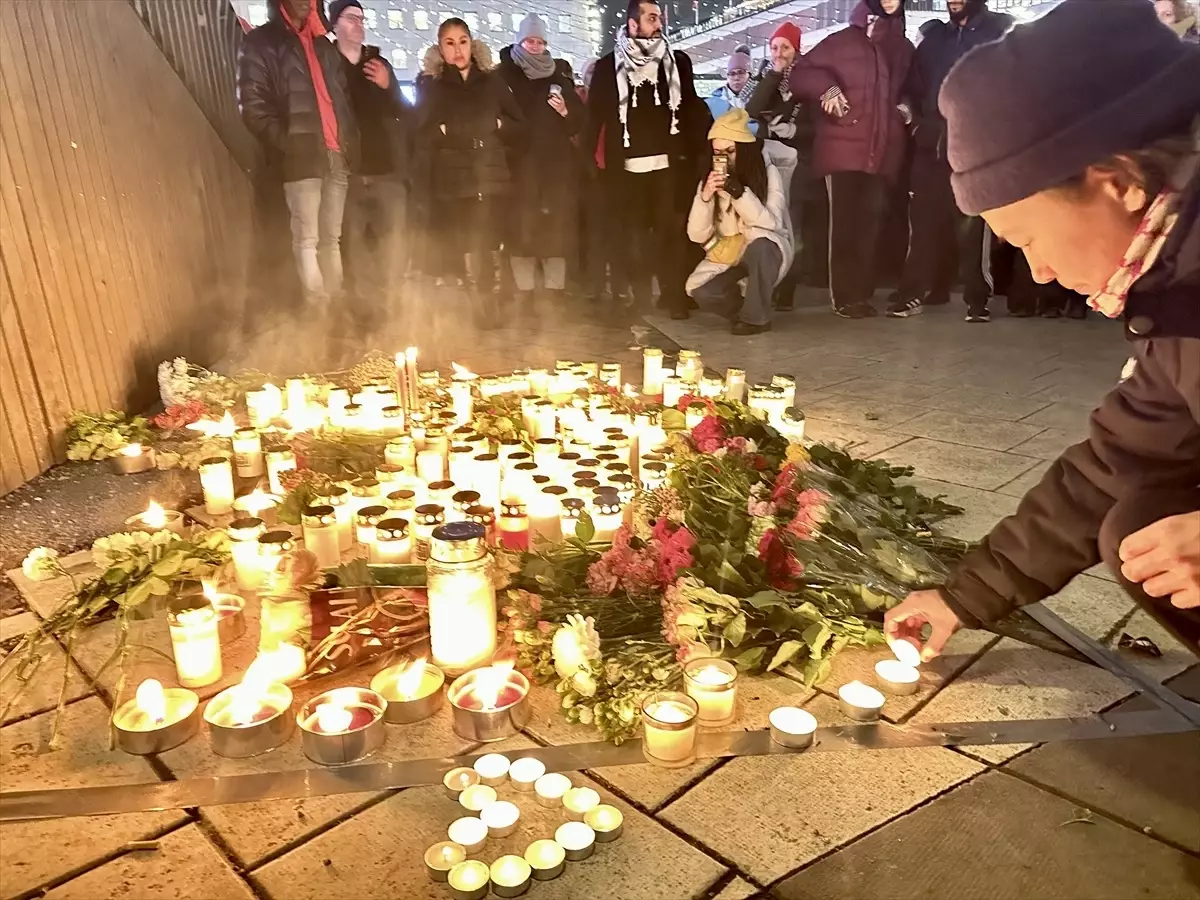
pixel 430 466
pixel 513 525
pixel 278 462
pixel 365 523
pixel 788 384
pixel 216 479
pixel 264 404
pixel 735 384
pixel 339 498
pixel 544 513
pixel 607 514
pixel 297 394
pixel 672 390
pixel 442 857
pixel 243 548
pixel 393 543
pixel 400 451
pixel 712 683
pixel 462 598
pixel 694 414
pixel 669 728
pixel 195 640
pixel 652 371
pixel 321 535
pixel 247 453
pixel 426 518
pixel 259 505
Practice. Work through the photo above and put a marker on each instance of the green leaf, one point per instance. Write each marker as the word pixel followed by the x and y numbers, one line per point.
pixel 729 575
pixel 749 659
pixel 695 620
pixel 817 636
pixel 816 671
pixel 169 565
pixel 673 420
pixel 786 651
pixel 138 594
pixel 158 587
pixel 585 529
pixel 114 575
pixel 764 599
pixel 735 631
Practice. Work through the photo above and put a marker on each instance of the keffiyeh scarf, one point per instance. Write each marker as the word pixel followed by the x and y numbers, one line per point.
pixel 637 63
pixel 1143 251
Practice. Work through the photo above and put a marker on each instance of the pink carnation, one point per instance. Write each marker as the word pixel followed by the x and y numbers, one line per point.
pixel 737 444
pixel 782 567
pixel 810 513
pixel 709 435
pixel 785 483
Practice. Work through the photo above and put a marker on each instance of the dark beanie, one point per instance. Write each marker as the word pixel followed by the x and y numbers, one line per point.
pixel 1089 79
pixel 337 7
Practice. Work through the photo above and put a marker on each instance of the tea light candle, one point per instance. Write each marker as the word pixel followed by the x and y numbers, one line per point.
pixel 652 371
pixel 278 462
pixel 905 651
pixel 510 876
pixel 897 678
pixel 792 727
pixel 249 718
pixel 132 459
pixel 259 505
pixel 669 728
pixel 577 840
pixel 393 543
pixel 579 801
pixel 469 880
pixel 607 821
pixel 155 518
pixel 285 662
pixel 470 832
pixel 243 548
pixel 492 769
pixel 500 818
pixel 546 859
pixel 524 772
pixel 216 480
pixel 860 701
pixel 551 788
pixel 477 796
pixel 155 719
pixel 195 640
pixel 321 535
pixel 712 683
pixel 442 857
pixel 458 780
pixel 342 725
pixel 247 453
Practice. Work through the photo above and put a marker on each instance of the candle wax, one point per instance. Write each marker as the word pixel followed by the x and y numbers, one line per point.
pixel 509 695
pixel 360 717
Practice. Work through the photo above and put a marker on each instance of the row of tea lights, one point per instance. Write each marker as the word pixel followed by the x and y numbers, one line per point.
pixel 589 822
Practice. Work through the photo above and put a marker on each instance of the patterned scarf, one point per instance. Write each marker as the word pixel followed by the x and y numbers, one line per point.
pixel 637 63
pixel 1143 251
pixel 785 83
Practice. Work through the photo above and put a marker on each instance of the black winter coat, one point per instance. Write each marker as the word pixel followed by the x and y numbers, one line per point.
pixel 466 127
pixel 279 103
pixel 385 121
pixel 546 174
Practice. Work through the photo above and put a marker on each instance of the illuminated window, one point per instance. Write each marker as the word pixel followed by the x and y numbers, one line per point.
pixel 516 21
pixel 472 21
pixel 420 20
pixel 370 17
pixel 495 21
pixel 564 24
pixel 257 14
pixel 395 18
pixel 399 57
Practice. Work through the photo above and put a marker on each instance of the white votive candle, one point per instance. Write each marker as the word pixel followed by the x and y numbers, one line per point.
pixel 458 780
pixel 195 642
pixel 500 818
pixel 792 727
pixel 652 371
pixel 247 453
pixel 321 535
pixel 216 480
pixel 492 769
pixel 579 801
pixel 278 462
pixel 524 772
pixel 243 547
pixel 669 728
pixel 860 701
pixel 897 678
pixel 477 796
pixel 510 876
pixel 442 857
pixel 546 858
pixel 905 651
pixel 607 821
pixel 470 832
pixel 550 789
pixel 577 839
pixel 469 880
pixel 430 466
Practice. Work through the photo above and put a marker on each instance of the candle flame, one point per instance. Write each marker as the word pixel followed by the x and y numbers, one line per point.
pixel 462 373
pixel 210 591
pixel 408 682
pixel 410 355
pixel 246 698
pixel 281 664
pixel 489 682
pixel 155 516
pixel 224 428
pixel 256 501
pixel 131 450
pixel 152 700
pixel 333 718
pixel 711 675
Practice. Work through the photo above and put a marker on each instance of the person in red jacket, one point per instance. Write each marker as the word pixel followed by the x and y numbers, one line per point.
pixel 858 75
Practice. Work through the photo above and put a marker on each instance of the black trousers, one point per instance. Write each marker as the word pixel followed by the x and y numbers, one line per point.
pixel 647 235
pixel 1133 514
pixel 373 236
pixel 939 235
pixel 856 207
pixel 759 265
pixel 475 236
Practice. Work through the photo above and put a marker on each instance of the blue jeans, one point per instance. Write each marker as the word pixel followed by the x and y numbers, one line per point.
pixel 316 206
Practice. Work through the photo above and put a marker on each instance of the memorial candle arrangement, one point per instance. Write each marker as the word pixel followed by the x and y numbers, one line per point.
pixel 156 518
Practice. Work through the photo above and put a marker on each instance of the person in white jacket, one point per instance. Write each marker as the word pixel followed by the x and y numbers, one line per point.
pixel 740 216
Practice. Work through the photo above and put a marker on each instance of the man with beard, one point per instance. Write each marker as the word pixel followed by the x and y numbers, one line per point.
pixel 654 126
pixel 939 232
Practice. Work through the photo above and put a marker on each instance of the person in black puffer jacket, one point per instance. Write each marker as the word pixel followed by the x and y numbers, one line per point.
pixel 293 97
pixel 469 121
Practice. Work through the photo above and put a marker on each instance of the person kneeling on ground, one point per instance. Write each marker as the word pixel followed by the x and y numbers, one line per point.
pixel 1108 206
pixel 740 215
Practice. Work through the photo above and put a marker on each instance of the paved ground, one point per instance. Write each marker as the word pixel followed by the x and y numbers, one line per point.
pixel 978 410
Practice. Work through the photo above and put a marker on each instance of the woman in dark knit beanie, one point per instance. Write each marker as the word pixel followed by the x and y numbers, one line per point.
pixel 1077 139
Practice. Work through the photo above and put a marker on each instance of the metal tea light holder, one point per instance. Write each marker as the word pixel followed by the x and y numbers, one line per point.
pixel 237 740
pixel 405 711
pixel 181 703
pixel 488 725
pixel 339 748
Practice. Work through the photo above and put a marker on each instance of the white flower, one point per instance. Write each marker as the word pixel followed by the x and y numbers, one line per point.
pixel 751 445
pixel 575 645
pixel 586 717
pixel 41 564
pixel 584 684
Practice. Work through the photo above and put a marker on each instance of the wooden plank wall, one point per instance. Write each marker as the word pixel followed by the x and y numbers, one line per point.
pixel 123 222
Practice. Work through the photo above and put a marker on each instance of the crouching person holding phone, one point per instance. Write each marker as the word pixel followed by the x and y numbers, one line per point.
pixel 740 216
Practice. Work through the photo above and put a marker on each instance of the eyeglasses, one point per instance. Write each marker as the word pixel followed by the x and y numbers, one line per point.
pixel 739 71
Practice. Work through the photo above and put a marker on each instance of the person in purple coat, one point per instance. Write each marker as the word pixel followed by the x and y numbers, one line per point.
pixel 858 76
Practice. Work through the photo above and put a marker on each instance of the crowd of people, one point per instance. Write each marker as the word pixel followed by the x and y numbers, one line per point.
pixel 511 179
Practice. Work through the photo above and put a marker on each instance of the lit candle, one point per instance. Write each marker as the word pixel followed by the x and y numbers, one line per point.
pixel 243 548
pixel 335 404
pixel 155 719
pixel 500 818
pixel 510 876
pixel 216 479
pixel 524 773
pixel 364 492
pixel 791 426
pixel 477 796
pixel 462 502
pixel 403 500
pixel 694 414
pixel 442 857
pixel 579 801
pixel 788 384
pixel 485 478
pixel 410 374
pixel 460 399
pixel 271 547
pixel 513 525
pixel 400 451
pixel 672 390
pixel 230 608
pixel 669 728
pixel 461 597
pixel 546 859
pixel 485 516
pixel 132 459
pixel 195 640
pixel 393 543
pixel 297 394
pixel 544 513
pixel 462 463
pixel 366 522
pixel 860 701
pixel 469 880
pixel 607 514
pixel 278 462
pixel 156 518
pixel 338 497
pixel 430 466
pixel 470 832
pixel 897 678
pixel 247 453
pixel 426 518
pixel 492 769
pixel 607 821
pixel 283 663
pixel 792 727
pixel 652 371
pixel 550 789
pixel 570 512
pixel 264 404
pixel 321 535
pixel 539 382
pixel 577 839
pixel 458 780
pixel 258 505
pixel 712 683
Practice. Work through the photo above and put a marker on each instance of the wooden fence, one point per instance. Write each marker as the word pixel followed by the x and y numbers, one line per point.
pixel 123 222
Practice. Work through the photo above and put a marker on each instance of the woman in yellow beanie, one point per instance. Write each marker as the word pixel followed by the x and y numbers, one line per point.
pixel 739 215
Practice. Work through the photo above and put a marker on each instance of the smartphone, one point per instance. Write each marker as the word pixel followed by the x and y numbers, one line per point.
pixel 556 90
pixel 720 164
pixel 369 53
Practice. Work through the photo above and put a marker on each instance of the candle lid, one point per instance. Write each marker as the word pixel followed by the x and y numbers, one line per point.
pixel 364 487
pixel 521 457
pixel 461 448
pixel 430 514
pixel 393 412
pixel 568 457
pixel 441 485
pixel 546 443
pixel 402 496
pixel 458 542
pixel 652 351
pixel 793 415
pixel 541 479
pixel 387 470
pixel 689 354
pixel 587 484
pixel 555 490
pixel 352 409
pixel 318 515
pixel 483 515
pixel 487 457
pixel 572 507
pixel 403 440
pixel 784 381
pixel 246 523
pixel 525 466
pixel 698 406
pixel 334 495
pixel 512 508
pixel 279 540
pixel 589 463
pixel 245 433
pixel 214 461
pixel 370 515
pixel 391 529
pixel 464 500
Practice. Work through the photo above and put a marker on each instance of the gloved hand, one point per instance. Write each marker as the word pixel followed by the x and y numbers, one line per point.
pixel 733 187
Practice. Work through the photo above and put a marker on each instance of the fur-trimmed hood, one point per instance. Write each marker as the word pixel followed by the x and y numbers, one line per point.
pixel 432 63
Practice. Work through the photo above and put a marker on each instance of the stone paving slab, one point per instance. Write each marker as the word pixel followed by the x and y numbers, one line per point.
pixel 866 412
pixel 651 786
pixel 378 854
pixel 791 809
pixel 1152 782
pixel 42 690
pixel 1015 681
pixel 186 866
pixel 1064 415
pixel 36 852
pixel 1093 605
pixel 969 466
pixel 1050 443
pixel 998 838
pixel 1175 656
pixel 857 440
pixel 888 390
pixel 738 889
pixel 975 402
pixel 971 431
pixel 981 509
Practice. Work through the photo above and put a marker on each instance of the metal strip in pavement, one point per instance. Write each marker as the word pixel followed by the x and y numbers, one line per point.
pixel 385 776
